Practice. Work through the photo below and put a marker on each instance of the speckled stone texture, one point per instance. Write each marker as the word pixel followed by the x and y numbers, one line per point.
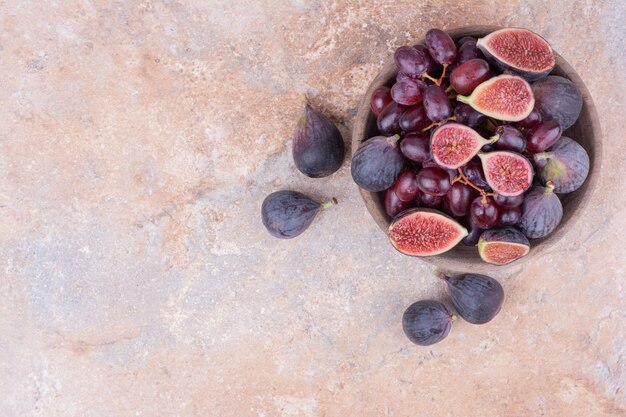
pixel 137 142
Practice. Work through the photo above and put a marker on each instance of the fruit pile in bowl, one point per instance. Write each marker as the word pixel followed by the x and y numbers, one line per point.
pixel 475 146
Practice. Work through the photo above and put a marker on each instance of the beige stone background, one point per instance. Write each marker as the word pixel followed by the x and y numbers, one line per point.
pixel 137 141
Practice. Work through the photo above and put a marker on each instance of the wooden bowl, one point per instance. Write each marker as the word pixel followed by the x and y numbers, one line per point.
pixel 585 131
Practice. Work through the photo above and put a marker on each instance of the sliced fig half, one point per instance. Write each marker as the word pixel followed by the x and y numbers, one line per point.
pixel 454 145
pixel 502 246
pixel 519 51
pixel 505 97
pixel 424 232
pixel 507 173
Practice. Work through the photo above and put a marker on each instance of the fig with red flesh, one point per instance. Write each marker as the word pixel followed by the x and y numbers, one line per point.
pixel 505 97
pixel 558 98
pixel 424 232
pixel 566 165
pixel 377 163
pixel 507 173
pixel 454 145
pixel 286 214
pixel 541 212
pixel 502 246
pixel 518 51
pixel 477 298
pixel 427 322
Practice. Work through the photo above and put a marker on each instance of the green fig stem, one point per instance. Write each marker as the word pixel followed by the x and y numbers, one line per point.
pixel 330 203
pixel 304 98
pixel 453 317
pixel 393 140
pixel 549 187
pixel 439 274
pixel 462 99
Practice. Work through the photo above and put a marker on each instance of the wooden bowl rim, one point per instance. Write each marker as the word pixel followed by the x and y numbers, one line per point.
pixel 451 260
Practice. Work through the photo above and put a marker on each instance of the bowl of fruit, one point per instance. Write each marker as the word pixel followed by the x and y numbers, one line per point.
pixel 476 147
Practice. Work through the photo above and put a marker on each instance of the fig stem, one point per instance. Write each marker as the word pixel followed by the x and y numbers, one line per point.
pixel 453 317
pixel 493 139
pixel 549 187
pixel 439 274
pixel 330 203
pixel 304 98
pixel 393 140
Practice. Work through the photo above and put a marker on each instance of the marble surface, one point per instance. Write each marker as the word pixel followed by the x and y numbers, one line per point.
pixel 137 141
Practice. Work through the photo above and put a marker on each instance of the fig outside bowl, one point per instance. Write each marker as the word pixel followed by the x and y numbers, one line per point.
pixel 585 131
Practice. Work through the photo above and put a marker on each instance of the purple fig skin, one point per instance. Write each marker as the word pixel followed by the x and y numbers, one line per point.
pixel 477 298
pixel 474 234
pixel 427 322
pixel 566 165
pixel 507 234
pixel 558 98
pixel 378 163
pixel 318 148
pixel 541 212
pixel 286 214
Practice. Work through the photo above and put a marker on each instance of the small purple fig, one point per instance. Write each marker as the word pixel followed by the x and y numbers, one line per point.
pixel 541 212
pixel 477 298
pixel 427 322
pixel 566 165
pixel 318 148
